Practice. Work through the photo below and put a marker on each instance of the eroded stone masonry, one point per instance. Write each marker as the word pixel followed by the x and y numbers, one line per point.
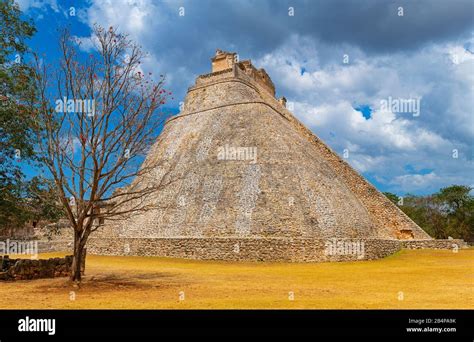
pixel 20 269
pixel 277 192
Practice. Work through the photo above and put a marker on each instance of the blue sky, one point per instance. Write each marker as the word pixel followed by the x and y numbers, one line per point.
pixel 335 61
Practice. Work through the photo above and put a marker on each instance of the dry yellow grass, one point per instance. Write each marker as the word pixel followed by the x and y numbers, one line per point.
pixel 425 278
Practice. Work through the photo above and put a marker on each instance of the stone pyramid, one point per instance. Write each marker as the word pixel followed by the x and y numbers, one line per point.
pixel 253 183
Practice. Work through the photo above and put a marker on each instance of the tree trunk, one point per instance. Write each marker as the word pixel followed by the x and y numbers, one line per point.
pixel 78 260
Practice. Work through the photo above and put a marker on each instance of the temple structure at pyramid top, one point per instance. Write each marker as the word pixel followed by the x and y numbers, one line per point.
pixel 226 60
pixel 245 180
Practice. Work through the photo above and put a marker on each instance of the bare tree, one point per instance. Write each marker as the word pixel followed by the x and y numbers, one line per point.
pixel 97 117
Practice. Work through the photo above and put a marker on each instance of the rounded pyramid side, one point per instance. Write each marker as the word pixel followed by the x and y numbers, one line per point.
pixel 239 167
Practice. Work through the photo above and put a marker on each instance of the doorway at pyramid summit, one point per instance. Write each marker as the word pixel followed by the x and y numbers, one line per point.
pixel 296 200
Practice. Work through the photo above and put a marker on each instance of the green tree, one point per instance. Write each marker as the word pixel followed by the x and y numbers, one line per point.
pixel 42 200
pixel 456 204
pixel 15 88
pixel 425 212
pixel 449 212
pixel 392 197
pixel 16 121
pixel 94 156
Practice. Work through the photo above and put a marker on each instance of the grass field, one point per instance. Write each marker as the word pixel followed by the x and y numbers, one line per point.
pixel 408 279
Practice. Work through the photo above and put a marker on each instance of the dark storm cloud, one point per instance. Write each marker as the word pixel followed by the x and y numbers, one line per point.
pixel 375 25
pixel 254 28
pixel 372 25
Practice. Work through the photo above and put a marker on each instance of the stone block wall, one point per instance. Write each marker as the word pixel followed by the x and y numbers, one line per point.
pixel 213 77
pixel 45 246
pixel 247 249
pixel 253 249
pixel 20 269
pixel 435 244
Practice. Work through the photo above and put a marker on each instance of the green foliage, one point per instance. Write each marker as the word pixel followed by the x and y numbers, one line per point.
pixel 392 197
pixel 449 212
pixel 18 203
pixel 16 85
pixel 14 30
pixel 41 198
pixel 33 200
pixel 11 214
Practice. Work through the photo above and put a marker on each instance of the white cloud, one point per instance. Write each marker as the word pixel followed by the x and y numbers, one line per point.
pixel 87 44
pixel 387 142
pixel 409 183
pixel 25 5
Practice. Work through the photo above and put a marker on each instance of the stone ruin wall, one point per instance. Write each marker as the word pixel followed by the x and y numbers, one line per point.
pixel 21 269
pixel 243 249
pixel 253 249
pixel 452 244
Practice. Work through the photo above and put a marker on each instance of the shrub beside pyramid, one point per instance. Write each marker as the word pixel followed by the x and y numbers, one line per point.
pixel 248 181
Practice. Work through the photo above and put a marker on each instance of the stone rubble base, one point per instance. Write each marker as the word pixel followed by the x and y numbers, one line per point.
pixel 22 269
pixel 254 249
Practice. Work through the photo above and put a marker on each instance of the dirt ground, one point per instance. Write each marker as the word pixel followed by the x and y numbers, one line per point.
pixel 408 279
